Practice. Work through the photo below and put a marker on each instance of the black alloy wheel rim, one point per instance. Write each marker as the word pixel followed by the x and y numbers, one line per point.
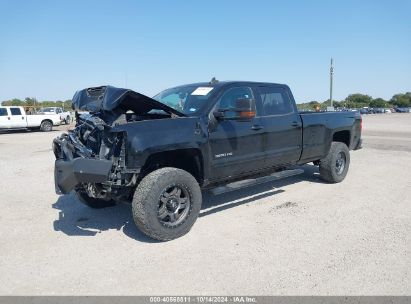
pixel 340 163
pixel 174 206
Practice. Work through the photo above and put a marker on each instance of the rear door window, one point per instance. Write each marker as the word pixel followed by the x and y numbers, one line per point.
pixel 15 111
pixel 275 101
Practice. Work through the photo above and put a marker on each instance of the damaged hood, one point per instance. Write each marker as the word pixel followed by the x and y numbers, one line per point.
pixel 108 98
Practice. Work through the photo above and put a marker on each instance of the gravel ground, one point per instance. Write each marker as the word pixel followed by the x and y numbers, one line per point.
pixel 297 236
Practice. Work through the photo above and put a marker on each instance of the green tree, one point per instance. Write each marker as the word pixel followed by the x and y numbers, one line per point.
pixel 401 100
pixel 378 103
pixel 13 102
pixel 67 104
pixel 358 99
pixel 30 101
pixel 327 103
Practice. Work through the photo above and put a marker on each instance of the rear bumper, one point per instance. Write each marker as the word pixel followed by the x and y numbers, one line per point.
pixel 70 173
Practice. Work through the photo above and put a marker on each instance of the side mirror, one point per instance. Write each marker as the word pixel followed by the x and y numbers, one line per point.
pixel 244 111
pixel 245 108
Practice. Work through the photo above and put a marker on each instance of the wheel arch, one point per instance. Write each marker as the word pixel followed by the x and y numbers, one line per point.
pixel 47 119
pixel 188 159
pixel 343 136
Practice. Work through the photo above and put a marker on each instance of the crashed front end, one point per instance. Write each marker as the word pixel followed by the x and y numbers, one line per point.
pixel 92 157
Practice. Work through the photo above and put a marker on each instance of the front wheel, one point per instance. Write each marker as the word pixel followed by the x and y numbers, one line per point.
pixel 166 203
pixel 334 167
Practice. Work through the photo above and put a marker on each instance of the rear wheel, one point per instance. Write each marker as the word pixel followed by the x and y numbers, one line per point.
pixel 92 202
pixel 334 167
pixel 46 126
pixel 166 203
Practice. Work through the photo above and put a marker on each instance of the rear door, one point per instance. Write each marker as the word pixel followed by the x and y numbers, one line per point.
pixel 4 118
pixel 17 118
pixel 236 146
pixel 282 125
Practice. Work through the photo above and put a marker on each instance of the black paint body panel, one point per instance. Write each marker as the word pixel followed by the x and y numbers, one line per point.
pixel 232 148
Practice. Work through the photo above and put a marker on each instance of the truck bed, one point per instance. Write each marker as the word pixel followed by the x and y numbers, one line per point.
pixel 321 128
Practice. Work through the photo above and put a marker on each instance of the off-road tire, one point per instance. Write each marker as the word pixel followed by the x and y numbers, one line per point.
pixel 46 126
pixel 146 200
pixel 328 165
pixel 92 202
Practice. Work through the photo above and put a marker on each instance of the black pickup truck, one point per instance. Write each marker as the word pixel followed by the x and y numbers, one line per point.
pixel 159 153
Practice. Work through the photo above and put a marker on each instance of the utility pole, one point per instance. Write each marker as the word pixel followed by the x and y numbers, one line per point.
pixel 331 82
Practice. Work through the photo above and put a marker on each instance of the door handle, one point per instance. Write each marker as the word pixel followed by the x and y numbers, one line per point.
pixel 8 118
pixel 295 124
pixel 256 127
pixel 22 118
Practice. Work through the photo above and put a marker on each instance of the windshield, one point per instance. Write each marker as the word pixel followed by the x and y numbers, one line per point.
pixel 185 99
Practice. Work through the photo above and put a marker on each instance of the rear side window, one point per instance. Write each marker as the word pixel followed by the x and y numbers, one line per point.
pixel 3 112
pixel 15 111
pixel 274 101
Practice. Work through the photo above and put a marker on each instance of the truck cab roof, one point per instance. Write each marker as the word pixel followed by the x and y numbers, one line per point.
pixel 221 84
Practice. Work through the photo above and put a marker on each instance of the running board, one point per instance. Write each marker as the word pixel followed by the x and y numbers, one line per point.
pixel 255 181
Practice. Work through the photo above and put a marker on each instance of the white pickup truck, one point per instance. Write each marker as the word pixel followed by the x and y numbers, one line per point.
pixel 12 118
pixel 65 116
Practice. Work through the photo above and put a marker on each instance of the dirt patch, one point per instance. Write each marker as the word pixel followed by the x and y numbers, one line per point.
pixel 286 205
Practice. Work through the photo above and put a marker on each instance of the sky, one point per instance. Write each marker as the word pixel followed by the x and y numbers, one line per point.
pixel 50 49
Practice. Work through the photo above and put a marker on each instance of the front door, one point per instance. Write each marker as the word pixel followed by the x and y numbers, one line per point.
pixel 235 145
pixel 4 118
